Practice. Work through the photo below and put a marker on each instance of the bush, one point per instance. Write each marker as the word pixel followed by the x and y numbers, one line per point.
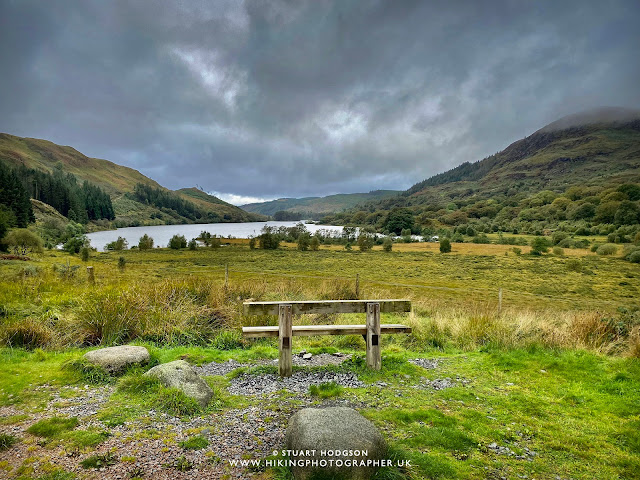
pixel 117 245
pixel 607 249
pixel 193 244
pixel 304 241
pixel 23 241
pixel 387 244
pixel 445 245
pixel 84 254
pixel 177 242
pixel 315 243
pixel 145 242
pixel 634 257
pixel 517 250
pixel 558 251
pixel 574 265
pixel 539 245
pixel 122 263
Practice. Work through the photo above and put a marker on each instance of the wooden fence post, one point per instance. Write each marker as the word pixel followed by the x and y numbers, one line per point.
pixel 500 302
pixel 374 359
pixel 91 277
pixel 226 276
pixel 357 286
pixel 285 332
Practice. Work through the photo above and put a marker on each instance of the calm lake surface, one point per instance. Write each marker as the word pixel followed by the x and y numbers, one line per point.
pixel 161 234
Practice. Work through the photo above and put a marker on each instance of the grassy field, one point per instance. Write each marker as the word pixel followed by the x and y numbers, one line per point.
pixel 556 372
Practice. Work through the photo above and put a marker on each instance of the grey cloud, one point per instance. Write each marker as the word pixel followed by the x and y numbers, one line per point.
pixel 286 98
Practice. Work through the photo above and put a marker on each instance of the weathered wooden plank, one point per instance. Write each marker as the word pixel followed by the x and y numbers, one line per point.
pixel 285 322
pixel 374 358
pixel 310 330
pixel 326 306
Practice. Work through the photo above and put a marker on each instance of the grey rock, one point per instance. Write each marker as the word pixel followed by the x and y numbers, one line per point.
pixel 335 429
pixel 181 375
pixel 117 359
pixel 307 356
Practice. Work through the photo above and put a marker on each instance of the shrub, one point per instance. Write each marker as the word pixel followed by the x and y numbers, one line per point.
pixel 84 254
pixel 117 245
pixel 445 245
pixel 177 242
pixel 217 243
pixel 145 242
pixel 594 247
pixel 517 250
pixel 304 241
pixel 539 245
pixel 634 257
pixel 315 243
pixel 23 241
pixel 607 249
pixel 558 251
pixel 365 242
pixel 387 244
pixel 122 263
pixel 193 244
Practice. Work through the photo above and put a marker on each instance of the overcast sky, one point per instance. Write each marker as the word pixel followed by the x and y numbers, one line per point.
pixel 267 99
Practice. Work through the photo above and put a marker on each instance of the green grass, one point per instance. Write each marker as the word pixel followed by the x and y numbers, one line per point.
pixel 52 427
pixel 326 390
pixel 7 441
pixel 195 443
pixel 98 461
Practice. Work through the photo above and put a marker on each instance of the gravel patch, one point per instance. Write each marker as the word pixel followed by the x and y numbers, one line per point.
pixel 299 382
pixel 428 363
pixel 215 368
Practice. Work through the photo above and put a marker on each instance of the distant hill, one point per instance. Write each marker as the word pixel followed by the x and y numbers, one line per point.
pixel 317 205
pixel 583 157
pixel 118 181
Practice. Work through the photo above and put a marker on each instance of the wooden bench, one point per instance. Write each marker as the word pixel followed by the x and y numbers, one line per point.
pixel 285 330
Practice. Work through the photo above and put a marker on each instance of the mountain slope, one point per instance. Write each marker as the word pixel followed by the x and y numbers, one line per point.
pixel 317 205
pixel 118 181
pixel 584 158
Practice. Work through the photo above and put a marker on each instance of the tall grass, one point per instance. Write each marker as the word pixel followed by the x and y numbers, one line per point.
pixel 45 311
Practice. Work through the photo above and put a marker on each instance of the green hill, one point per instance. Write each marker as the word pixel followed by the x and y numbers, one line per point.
pixel 591 160
pixel 317 205
pixel 119 182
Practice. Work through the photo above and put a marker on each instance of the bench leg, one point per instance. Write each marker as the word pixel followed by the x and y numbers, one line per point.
pixel 374 359
pixel 285 332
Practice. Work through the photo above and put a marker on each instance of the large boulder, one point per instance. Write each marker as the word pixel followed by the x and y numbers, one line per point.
pixel 181 375
pixel 117 359
pixel 344 443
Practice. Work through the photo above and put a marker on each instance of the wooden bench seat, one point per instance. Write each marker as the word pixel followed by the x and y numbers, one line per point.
pixel 310 330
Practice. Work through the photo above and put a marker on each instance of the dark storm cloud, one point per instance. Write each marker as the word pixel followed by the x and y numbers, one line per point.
pixel 287 98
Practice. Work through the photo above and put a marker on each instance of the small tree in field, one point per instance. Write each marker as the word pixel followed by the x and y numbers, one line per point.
pixel 387 244
pixel 145 243
pixel 539 245
pixel 314 244
pixel 445 245
pixel 177 242
pixel 193 244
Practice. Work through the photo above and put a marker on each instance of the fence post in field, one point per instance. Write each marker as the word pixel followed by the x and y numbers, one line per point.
pixel 357 286
pixel 226 276
pixel 374 359
pixel 90 275
pixel 500 301
pixel 285 332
